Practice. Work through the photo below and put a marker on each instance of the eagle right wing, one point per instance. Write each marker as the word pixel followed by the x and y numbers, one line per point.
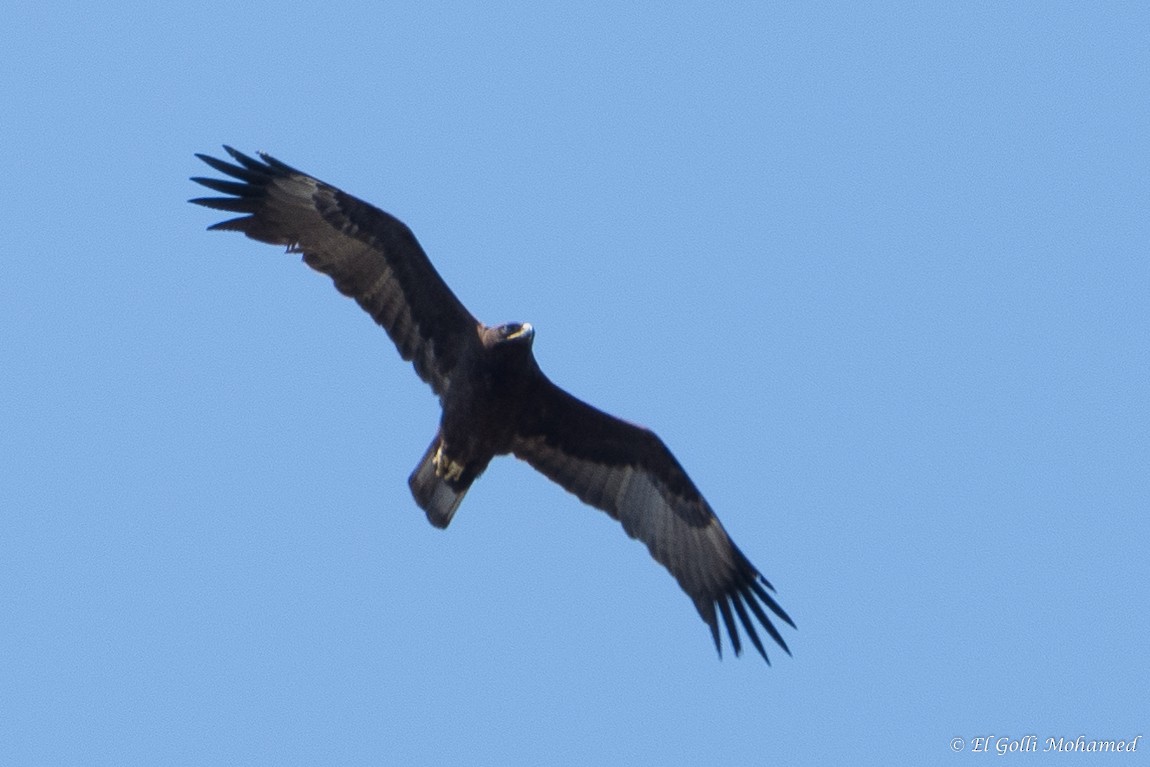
pixel 370 255
pixel 628 472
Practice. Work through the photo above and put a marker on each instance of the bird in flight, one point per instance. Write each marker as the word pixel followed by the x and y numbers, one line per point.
pixel 495 399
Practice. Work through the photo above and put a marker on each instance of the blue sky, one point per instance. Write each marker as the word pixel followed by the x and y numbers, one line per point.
pixel 878 276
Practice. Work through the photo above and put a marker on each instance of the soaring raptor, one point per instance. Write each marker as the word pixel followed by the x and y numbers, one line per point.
pixel 495 399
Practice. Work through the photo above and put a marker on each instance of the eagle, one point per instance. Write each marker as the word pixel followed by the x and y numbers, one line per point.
pixel 494 398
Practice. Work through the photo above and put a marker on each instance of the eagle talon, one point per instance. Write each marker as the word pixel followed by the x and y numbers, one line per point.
pixel 445 468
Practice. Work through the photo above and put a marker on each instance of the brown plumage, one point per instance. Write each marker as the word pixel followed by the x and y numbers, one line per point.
pixel 495 399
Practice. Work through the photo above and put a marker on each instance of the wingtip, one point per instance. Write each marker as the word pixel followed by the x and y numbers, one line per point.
pixel 732 629
pixel 718 638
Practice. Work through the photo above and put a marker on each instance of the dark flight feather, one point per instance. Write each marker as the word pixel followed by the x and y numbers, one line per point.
pixel 627 471
pixel 613 465
pixel 370 256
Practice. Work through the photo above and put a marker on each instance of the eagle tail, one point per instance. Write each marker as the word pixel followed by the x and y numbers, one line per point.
pixel 437 496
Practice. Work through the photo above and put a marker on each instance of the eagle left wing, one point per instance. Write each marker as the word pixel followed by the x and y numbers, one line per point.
pixel 369 254
pixel 627 471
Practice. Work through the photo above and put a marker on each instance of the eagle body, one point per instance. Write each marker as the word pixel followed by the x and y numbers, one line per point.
pixel 482 414
pixel 494 398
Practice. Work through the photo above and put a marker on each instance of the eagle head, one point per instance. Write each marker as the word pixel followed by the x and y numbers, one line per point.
pixel 512 333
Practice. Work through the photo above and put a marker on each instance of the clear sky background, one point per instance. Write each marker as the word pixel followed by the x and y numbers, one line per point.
pixel 878 274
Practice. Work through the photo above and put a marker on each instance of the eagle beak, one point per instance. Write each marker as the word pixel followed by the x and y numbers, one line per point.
pixel 525 331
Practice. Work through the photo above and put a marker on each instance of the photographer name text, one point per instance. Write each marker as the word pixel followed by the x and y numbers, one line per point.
pixel 1032 744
